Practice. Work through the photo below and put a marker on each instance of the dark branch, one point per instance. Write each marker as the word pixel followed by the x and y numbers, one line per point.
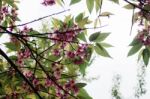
pixel 136 6
pixel 17 70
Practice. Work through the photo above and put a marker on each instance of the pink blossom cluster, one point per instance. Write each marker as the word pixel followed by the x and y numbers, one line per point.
pixel 8 13
pixel 57 69
pixel 70 87
pixel 23 55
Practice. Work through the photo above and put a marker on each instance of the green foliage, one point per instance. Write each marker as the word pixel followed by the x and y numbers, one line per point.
pixel 74 1
pixel 147 7
pixel 115 1
pixel 101 50
pixel 98 5
pixel 135 49
pixel 81 85
pixel 83 94
pixel 106 14
pixel 129 6
pixel 146 56
pixel 98 37
pixel 90 5
pixel 11 46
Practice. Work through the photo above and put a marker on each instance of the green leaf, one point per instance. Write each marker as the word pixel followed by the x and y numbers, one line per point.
pixel 97 4
pixel 135 42
pixel 140 54
pixel 115 1
pixel 83 94
pixel 146 56
pixel 106 45
pixel 82 68
pixel 83 22
pixel 94 36
pixel 106 14
pixel 80 85
pixel 33 32
pixel 31 96
pixel 79 17
pixel 59 2
pixel 13 57
pixel 98 37
pixel 90 5
pixel 0 3
pixel 12 46
pixel 135 49
pixel 10 2
pixel 74 2
pixel 101 51
pixel 147 7
pixel 81 36
pixel 95 23
pixel 129 6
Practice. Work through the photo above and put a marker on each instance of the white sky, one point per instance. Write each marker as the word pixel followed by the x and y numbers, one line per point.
pixel 119 26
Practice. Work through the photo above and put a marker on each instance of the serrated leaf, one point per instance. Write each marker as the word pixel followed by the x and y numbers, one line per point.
pixel 98 37
pixel 74 2
pixel 90 5
pixel 129 6
pixel 101 51
pixel 135 49
pixel 146 56
pixel 80 85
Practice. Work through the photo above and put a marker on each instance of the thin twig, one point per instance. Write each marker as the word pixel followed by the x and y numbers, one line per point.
pixel 38 19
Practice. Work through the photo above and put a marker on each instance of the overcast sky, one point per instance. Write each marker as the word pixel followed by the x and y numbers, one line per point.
pixel 104 68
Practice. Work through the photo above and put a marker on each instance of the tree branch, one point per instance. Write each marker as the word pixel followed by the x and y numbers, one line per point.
pixel 17 70
pixel 136 6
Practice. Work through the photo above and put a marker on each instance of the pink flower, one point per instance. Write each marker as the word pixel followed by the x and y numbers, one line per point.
pixel 35 81
pixel 56 52
pixel 48 83
pixel 70 54
pixel 78 61
pixel 27 53
pixel 28 74
pixel 48 2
